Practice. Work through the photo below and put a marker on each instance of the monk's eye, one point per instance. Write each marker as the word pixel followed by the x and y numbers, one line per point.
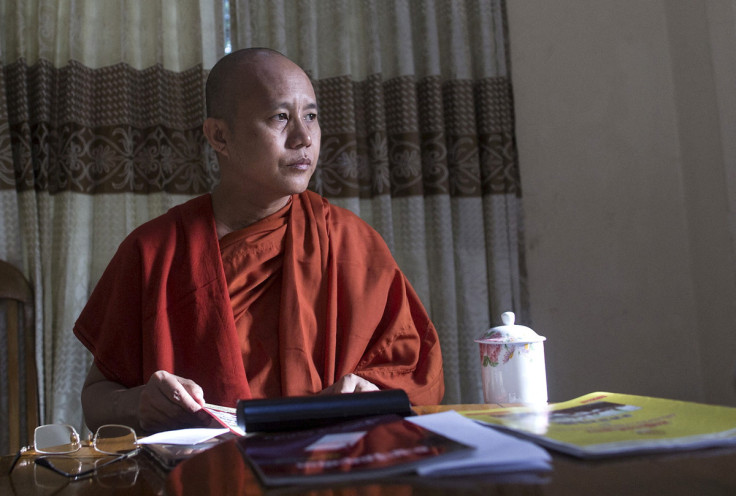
pixel 281 117
pixel 310 117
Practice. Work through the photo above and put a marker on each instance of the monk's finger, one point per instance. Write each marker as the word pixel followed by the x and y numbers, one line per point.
pixel 335 388
pixel 171 388
pixel 351 383
pixel 194 390
pixel 358 384
pixel 364 385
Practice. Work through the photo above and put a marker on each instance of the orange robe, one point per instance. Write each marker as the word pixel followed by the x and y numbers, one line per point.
pixel 341 306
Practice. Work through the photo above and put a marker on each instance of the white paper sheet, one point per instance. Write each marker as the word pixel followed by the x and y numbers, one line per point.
pixel 194 435
pixel 495 452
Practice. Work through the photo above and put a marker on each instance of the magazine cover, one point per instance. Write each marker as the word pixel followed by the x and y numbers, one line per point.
pixel 379 445
pixel 605 424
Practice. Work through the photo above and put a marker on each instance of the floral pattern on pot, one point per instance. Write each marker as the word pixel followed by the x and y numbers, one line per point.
pixel 490 353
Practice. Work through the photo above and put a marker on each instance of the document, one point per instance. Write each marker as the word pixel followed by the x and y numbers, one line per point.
pixel 607 424
pixel 435 445
pixel 194 435
pixel 171 447
pixel 495 452
pixel 357 449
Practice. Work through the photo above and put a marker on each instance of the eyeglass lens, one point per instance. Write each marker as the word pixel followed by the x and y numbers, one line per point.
pixel 115 439
pixel 56 439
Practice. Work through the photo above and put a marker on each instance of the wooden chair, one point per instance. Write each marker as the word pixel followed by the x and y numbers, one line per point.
pixel 17 296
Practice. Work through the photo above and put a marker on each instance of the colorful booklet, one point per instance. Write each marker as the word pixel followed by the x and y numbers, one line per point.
pixel 608 424
pixel 370 447
pixel 226 417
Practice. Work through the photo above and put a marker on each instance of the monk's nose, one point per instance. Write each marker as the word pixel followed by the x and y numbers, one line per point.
pixel 300 135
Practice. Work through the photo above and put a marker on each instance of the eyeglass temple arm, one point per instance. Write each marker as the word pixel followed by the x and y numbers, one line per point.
pixel 17 458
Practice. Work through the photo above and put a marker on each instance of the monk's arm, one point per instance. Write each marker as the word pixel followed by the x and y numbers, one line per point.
pixel 165 402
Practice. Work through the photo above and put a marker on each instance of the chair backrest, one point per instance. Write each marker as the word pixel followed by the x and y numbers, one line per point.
pixel 16 295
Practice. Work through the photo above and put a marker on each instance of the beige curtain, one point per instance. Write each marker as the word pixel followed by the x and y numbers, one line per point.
pixel 417 125
pixel 100 113
pixel 101 103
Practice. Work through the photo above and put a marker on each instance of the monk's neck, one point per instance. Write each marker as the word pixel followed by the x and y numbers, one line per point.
pixel 235 214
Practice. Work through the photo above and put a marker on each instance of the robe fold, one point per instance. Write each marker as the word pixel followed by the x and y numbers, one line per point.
pixel 345 307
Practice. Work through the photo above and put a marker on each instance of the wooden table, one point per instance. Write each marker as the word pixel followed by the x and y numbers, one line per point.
pixel 222 471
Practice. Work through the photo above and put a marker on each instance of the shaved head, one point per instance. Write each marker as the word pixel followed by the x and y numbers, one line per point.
pixel 262 122
pixel 234 74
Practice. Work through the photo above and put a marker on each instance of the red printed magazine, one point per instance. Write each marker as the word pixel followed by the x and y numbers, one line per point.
pixel 380 445
pixel 225 417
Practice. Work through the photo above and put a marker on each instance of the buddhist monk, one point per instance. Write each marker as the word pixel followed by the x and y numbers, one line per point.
pixel 260 289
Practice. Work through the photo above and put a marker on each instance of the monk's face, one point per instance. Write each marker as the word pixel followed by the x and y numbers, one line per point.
pixel 274 137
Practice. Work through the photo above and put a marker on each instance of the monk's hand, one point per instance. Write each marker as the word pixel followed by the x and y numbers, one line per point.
pixel 168 402
pixel 350 383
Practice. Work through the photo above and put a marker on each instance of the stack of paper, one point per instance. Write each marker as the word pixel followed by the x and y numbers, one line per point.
pixel 484 450
pixel 495 452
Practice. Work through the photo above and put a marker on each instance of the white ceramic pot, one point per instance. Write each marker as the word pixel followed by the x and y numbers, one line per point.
pixel 512 364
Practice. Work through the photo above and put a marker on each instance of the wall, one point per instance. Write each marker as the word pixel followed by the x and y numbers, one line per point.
pixel 625 123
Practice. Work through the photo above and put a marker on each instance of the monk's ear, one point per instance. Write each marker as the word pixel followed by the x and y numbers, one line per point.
pixel 215 132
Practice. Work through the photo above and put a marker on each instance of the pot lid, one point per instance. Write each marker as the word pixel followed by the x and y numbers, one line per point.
pixel 509 333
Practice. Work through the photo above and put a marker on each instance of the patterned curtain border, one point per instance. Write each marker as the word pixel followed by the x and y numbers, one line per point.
pixel 117 129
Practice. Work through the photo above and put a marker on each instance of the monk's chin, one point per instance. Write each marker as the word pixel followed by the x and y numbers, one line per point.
pixel 297 182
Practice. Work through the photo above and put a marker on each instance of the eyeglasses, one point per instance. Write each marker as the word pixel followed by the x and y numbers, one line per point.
pixel 58 439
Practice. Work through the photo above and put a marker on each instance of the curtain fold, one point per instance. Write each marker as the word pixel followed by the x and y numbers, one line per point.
pixel 101 104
